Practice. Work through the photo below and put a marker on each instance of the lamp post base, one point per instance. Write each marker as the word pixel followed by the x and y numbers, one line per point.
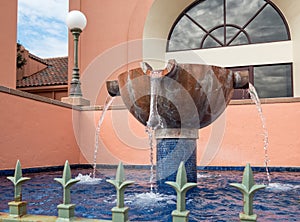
pixel 76 101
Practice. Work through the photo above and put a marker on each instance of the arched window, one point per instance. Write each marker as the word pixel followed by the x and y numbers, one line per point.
pixel 221 23
pixel 224 23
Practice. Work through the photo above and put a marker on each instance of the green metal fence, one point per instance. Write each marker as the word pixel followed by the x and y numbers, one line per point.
pixel 66 210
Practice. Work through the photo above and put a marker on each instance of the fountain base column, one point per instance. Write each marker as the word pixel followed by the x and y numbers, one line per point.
pixel 173 146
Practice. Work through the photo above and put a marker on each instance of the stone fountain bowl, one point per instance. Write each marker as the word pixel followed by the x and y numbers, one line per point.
pixel 187 95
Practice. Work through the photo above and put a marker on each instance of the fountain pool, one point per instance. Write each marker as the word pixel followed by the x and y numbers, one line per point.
pixel 212 200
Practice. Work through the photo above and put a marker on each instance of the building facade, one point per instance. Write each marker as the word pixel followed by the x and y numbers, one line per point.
pixel 121 34
pixel 260 37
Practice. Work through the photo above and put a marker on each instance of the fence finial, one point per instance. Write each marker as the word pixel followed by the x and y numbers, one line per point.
pixel 120 212
pixel 181 186
pixel 248 188
pixel 66 209
pixel 18 207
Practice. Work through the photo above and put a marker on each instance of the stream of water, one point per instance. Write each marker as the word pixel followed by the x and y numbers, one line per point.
pixel 109 101
pixel 256 100
pixel 154 121
pixel 150 133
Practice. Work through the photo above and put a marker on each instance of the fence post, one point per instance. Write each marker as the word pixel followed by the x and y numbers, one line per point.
pixel 248 188
pixel 181 186
pixel 18 208
pixel 66 209
pixel 120 212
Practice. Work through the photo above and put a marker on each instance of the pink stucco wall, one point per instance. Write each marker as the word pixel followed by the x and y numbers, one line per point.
pixel 43 134
pixel 37 133
pixel 243 138
pixel 110 23
pixel 233 140
pixel 8 40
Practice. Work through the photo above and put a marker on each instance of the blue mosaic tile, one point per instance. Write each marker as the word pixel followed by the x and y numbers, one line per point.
pixel 170 152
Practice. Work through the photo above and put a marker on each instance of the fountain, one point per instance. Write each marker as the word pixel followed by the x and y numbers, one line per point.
pixel 176 102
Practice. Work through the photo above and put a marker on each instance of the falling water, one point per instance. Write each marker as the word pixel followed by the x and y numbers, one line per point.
pixel 255 98
pixel 150 133
pixel 154 120
pixel 108 102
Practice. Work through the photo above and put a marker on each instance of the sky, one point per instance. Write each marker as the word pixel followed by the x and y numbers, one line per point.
pixel 41 27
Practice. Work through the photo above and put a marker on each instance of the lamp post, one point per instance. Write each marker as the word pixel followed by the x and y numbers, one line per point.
pixel 76 22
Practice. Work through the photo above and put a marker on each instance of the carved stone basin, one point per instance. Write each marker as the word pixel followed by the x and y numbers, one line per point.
pixel 187 95
pixel 176 102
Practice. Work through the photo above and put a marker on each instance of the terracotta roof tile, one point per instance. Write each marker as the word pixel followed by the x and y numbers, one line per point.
pixel 44 61
pixel 55 74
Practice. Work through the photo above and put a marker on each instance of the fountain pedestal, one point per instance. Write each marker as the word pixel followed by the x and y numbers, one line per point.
pixel 173 146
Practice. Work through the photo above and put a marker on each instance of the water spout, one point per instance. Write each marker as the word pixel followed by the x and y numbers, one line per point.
pixel 113 88
pixel 240 80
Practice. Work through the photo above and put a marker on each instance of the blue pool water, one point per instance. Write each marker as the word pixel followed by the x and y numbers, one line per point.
pixel 212 200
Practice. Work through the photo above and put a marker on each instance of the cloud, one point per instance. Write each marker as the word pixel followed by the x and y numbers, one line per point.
pixel 273 80
pixel 41 27
pixel 266 26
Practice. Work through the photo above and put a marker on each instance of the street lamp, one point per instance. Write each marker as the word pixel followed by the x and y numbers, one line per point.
pixel 76 22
